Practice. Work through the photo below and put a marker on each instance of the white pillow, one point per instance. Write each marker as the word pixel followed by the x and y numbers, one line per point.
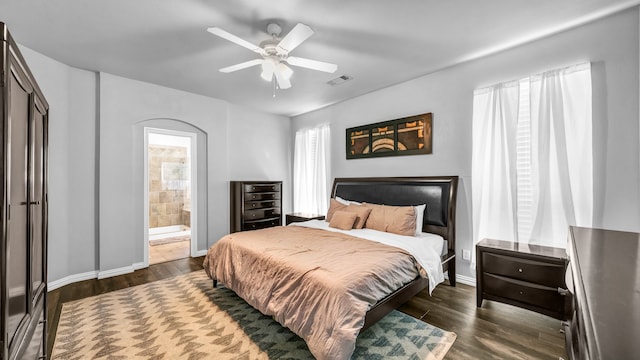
pixel 419 217
pixel 346 202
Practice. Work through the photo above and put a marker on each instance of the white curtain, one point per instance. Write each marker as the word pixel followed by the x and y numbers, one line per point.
pixel 561 153
pixel 556 134
pixel 311 170
pixel 495 110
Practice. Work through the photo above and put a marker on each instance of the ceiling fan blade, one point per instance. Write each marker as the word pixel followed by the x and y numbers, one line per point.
pixel 283 73
pixel 241 66
pixel 312 64
pixel 236 40
pixel 295 37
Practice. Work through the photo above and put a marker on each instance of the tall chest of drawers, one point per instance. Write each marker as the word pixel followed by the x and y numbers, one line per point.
pixel 523 275
pixel 255 205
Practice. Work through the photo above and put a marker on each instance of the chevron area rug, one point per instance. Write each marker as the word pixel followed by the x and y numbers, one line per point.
pixel 186 318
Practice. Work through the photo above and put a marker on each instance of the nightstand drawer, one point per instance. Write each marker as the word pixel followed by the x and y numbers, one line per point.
pixel 528 293
pixel 543 273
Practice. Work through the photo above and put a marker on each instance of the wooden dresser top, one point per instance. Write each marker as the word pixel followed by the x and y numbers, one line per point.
pixel 606 264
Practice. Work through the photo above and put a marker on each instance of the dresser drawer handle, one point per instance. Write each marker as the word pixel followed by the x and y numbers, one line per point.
pixel 520 270
pixel 521 292
pixel 563 292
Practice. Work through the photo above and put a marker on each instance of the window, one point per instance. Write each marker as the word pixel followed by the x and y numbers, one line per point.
pixel 532 161
pixel 311 170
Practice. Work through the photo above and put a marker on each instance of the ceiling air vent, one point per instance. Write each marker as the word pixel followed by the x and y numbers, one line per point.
pixel 340 80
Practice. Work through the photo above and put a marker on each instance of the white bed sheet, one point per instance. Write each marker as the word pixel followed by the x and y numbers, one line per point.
pixel 425 248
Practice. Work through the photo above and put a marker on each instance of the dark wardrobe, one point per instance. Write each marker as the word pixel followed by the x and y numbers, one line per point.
pixel 23 255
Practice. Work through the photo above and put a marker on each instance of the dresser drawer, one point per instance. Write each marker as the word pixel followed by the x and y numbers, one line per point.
pixel 250 188
pixel 261 214
pixel 524 292
pixel 256 225
pixel 249 205
pixel 543 273
pixel 261 196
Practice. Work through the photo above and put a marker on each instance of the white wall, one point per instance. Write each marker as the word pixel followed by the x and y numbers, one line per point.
pixel 95 163
pixel 260 149
pixel 71 96
pixel 611 44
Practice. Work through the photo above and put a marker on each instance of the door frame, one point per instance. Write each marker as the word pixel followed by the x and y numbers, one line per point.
pixel 193 164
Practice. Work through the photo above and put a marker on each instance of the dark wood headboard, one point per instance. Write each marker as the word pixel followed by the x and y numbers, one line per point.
pixel 439 193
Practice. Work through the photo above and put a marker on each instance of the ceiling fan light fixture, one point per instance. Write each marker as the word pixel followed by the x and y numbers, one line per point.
pixel 268 67
pixel 285 71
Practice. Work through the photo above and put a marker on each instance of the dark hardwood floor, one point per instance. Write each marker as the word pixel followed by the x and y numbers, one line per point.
pixel 495 331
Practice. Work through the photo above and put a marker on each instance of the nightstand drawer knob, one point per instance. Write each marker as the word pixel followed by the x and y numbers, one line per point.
pixel 519 270
pixel 521 292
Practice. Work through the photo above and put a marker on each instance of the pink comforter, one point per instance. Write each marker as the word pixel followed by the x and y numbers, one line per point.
pixel 319 284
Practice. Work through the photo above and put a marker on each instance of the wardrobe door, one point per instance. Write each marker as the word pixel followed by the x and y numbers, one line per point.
pixel 18 250
pixel 36 201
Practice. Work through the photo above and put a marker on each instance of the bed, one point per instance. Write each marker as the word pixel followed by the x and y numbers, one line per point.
pixel 355 282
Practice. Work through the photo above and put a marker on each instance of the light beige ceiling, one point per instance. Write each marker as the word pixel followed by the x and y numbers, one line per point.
pixel 377 42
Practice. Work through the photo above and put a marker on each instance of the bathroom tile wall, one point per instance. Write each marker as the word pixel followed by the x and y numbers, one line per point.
pixel 165 204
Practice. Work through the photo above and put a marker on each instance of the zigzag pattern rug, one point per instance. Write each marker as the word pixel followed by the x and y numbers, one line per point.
pixel 186 318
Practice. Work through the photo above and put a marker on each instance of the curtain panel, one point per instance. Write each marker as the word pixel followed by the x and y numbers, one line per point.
pixel 311 170
pixel 557 137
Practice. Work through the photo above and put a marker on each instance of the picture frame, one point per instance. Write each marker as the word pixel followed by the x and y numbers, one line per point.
pixel 410 135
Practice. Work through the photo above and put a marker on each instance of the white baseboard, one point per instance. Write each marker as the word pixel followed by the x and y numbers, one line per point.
pixel 199 253
pixel 466 280
pixel 52 285
pixel 463 279
pixel 139 265
pixel 115 272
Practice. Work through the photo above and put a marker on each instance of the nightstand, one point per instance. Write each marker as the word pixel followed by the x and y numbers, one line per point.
pixel 298 217
pixel 524 275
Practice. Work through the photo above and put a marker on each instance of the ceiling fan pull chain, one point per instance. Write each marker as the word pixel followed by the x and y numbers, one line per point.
pixel 274 88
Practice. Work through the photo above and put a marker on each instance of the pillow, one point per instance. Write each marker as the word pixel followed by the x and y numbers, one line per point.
pixel 334 206
pixel 399 220
pixel 361 211
pixel 419 217
pixel 346 202
pixel 343 220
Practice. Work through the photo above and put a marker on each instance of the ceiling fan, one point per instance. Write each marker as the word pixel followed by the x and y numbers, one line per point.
pixel 275 54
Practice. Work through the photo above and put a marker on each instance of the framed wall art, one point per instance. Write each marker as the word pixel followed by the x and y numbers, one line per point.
pixel 406 136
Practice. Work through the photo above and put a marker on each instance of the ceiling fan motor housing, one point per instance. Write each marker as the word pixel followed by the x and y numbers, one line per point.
pixel 274 29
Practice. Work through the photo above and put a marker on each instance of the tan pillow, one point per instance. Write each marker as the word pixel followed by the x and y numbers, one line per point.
pixel 399 220
pixel 343 220
pixel 361 211
pixel 333 207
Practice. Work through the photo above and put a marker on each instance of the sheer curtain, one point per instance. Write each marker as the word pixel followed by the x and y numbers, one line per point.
pixel 311 170
pixel 532 161
pixel 495 111
pixel 561 153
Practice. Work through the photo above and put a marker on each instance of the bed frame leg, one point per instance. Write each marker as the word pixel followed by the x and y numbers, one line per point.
pixel 215 283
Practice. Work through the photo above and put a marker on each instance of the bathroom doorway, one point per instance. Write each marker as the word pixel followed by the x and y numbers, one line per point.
pixel 169 179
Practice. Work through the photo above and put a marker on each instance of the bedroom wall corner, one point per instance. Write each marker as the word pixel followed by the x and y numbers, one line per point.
pixel 72 148
pixel 260 149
